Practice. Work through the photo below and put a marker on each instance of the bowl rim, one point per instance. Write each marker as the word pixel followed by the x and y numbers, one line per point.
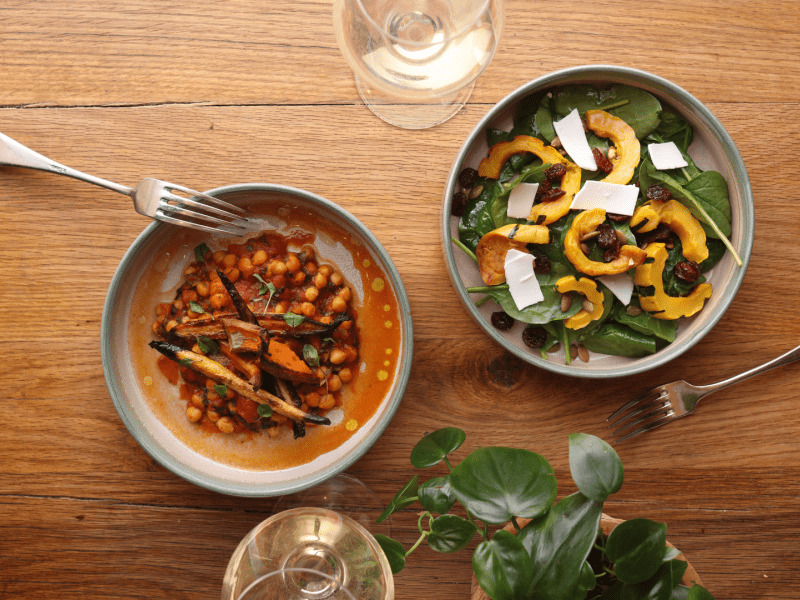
pixel 151 445
pixel 611 74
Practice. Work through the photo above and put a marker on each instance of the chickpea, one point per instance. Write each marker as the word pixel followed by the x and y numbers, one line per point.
pixel 178 304
pixel 345 375
pixel 278 418
pixel 346 325
pixel 194 414
pixel 163 309
pixel 334 383
pixel 218 256
pixel 351 354
pixel 277 267
pixel 273 432
pixel 218 300
pixel 345 294
pixel 216 286
pixel 245 264
pixel 232 274
pixel 225 425
pixel 213 275
pixel 325 270
pixel 281 307
pixel 232 407
pixel 320 281
pixel 229 261
pixel 336 279
pixel 212 415
pixel 311 294
pixel 197 400
pixel 293 263
pixel 308 251
pixel 327 402
pixel 260 257
pixel 187 317
pixel 338 305
pixel 203 288
pixel 299 278
pixel 210 383
pixel 189 270
pixel 311 268
pixel 171 325
pixel 154 327
pixel 230 394
pixel 279 281
pixel 312 399
pixel 307 309
pixel 337 357
pixel 212 396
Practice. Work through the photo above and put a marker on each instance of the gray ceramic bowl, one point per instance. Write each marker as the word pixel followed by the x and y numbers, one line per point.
pixel 712 148
pixel 149 405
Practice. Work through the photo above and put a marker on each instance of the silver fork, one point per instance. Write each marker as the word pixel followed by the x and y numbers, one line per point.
pixel 671 401
pixel 151 198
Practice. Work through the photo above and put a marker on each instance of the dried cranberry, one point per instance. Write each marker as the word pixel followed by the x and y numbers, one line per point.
pixel 656 192
pixel 602 160
pixel 607 237
pixel 502 321
pixel 534 337
pixel 556 172
pixel 459 204
pixel 468 177
pixel 688 271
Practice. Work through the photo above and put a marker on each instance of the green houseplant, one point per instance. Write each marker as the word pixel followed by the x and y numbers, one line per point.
pixel 559 552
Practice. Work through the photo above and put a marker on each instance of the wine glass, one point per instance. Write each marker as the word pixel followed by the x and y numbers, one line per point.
pixel 307 551
pixel 416 61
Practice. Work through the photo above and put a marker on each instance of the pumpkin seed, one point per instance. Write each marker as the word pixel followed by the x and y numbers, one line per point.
pixel 566 302
pixel 590 236
pixel 573 352
pixel 587 305
pixel 585 249
pixel 475 192
pixel 555 348
pixel 633 311
pixel 621 237
pixel 583 353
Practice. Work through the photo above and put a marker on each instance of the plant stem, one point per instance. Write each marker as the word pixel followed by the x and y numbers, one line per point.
pixel 417 543
pixel 609 571
pixel 516 525
pixel 615 105
pixel 482 301
pixel 447 462
pixel 466 250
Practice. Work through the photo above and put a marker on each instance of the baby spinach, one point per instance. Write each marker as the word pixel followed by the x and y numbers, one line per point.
pixel 645 323
pixel 620 340
pixel 561 553
pixel 477 222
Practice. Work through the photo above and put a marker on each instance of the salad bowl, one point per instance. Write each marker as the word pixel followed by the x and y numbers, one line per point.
pixel 711 149
pixel 245 462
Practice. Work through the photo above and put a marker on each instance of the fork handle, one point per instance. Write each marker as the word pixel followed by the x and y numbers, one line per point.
pixel 784 359
pixel 14 154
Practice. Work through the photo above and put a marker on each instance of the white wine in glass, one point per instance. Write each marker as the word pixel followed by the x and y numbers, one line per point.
pixel 308 554
pixel 416 61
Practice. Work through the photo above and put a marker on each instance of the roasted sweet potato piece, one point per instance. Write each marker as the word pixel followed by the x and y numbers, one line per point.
pixel 280 361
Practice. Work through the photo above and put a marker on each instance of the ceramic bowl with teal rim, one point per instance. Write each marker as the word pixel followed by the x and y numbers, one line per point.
pixel 246 463
pixel 712 149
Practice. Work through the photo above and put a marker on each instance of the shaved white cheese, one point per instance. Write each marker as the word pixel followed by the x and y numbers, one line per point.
pixel 621 285
pixel 666 156
pixel 522 282
pixel 573 138
pixel 520 200
pixel 613 197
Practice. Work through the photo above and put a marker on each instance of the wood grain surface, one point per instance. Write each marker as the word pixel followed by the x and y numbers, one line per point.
pixel 231 91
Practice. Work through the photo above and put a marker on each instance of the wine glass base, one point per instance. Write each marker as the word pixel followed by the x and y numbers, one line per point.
pixel 417 115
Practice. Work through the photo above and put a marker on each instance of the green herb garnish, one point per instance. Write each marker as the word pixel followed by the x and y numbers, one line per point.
pixel 221 389
pixel 264 410
pixel 310 355
pixel 201 251
pixel 196 307
pixel 292 319
pixel 207 345
pixel 186 362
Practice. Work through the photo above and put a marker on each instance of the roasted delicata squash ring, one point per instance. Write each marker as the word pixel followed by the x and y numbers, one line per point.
pixel 494 246
pixel 624 138
pixel 588 288
pixel 586 222
pixel 548 211
pixel 678 218
pixel 661 305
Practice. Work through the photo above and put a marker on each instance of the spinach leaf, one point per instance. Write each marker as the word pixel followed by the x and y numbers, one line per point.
pixel 533 173
pixel 475 213
pixel 555 249
pixel 716 250
pixel 495 136
pixel 672 285
pixel 674 128
pixel 544 120
pixel 537 314
pixel 638 108
pixel 645 323
pixel 619 340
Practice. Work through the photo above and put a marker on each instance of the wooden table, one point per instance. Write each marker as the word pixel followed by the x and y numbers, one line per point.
pixel 230 91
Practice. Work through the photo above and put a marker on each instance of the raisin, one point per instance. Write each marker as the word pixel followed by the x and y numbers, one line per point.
pixel 656 192
pixel 554 194
pixel 459 204
pixel 611 254
pixel 541 264
pixel 608 237
pixel 688 271
pixel 617 218
pixel 602 160
pixel 534 337
pixel 556 172
pixel 468 177
pixel 662 233
pixel 502 321
pixel 544 187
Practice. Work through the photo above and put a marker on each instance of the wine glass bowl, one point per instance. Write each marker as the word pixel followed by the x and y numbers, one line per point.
pixel 318 554
pixel 416 61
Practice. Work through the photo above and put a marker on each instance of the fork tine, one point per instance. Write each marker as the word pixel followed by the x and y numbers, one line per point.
pixel 657 391
pixel 666 409
pixel 220 203
pixel 237 223
pixel 668 418
pixel 662 400
pixel 195 204
pixel 224 228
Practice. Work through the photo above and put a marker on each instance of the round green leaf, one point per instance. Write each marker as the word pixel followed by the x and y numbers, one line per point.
pixel 450 533
pixel 432 448
pixel 698 592
pixel 436 496
pixel 497 483
pixel 502 567
pixel 595 466
pixel 657 587
pixel 406 496
pixel 394 551
pixel 636 548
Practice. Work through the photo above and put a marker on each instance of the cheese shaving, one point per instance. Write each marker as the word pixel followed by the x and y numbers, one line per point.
pixel 573 138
